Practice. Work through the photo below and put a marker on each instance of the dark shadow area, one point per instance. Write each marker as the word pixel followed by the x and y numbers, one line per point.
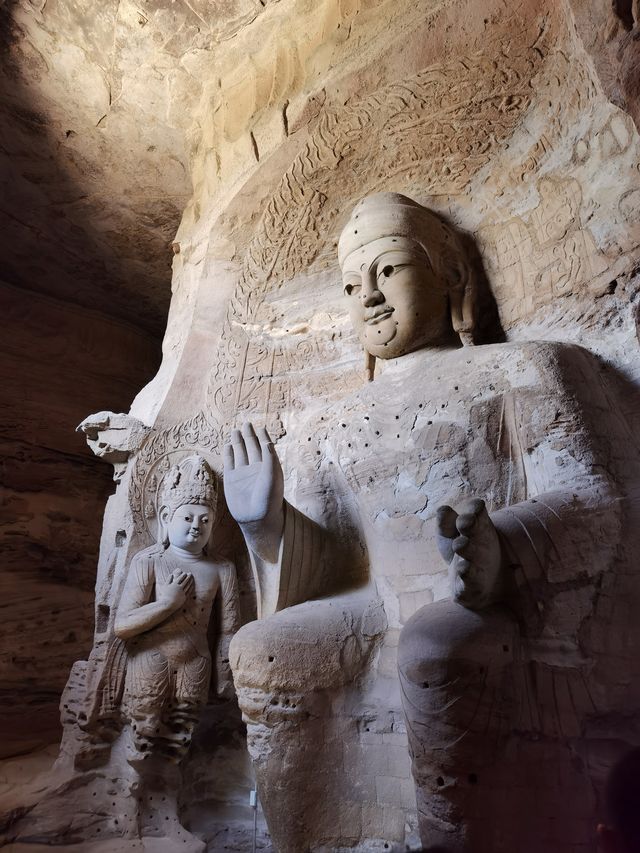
pixel 84 293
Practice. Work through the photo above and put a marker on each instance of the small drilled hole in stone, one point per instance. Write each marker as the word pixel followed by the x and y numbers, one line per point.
pixel 439 781
pixel 425 684
pixel 271 658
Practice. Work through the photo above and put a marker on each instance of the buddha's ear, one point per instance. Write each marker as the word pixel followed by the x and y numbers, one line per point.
pixel 369 366
pixel 462 303
pixel 164 517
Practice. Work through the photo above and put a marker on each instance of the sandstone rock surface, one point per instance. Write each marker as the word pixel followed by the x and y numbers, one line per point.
pixel 260 126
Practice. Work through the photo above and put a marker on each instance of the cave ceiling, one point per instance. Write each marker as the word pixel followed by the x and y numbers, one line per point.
pixel 96 105
pixel 110 116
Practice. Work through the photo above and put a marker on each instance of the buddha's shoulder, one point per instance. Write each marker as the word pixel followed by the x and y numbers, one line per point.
pixel 149 555
pixel 524 361
pixel 219 564
pixel 526 349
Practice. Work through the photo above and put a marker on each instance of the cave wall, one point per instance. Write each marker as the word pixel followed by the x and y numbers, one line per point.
pixel 503 120
pixel 58 363
pixel 499 120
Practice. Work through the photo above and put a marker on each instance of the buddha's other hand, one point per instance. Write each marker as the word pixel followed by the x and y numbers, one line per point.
pixel 177 588
pixel 468 541
pixel 253 480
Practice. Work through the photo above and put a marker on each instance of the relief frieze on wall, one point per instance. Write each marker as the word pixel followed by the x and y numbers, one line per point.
pixel 426 130
pixel 447 133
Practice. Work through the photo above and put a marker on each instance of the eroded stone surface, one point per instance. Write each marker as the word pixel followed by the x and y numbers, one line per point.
pixel 56 359
pixel 500 119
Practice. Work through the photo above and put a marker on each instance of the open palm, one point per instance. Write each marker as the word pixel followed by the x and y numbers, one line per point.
pixel 253 481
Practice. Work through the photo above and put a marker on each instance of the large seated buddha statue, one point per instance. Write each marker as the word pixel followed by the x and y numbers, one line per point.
pixel 429 588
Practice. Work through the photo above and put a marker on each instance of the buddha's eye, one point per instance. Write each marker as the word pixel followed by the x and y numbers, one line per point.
pixel 351 287
pixel 387 271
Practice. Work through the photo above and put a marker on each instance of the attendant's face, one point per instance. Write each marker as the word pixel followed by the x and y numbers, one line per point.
pixel 396 302
pixel 190 527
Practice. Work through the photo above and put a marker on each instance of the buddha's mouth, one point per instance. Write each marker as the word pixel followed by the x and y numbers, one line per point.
pixel 379 314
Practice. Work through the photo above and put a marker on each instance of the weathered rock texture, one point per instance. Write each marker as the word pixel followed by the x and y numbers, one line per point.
pixel 55 359
pixel 502 119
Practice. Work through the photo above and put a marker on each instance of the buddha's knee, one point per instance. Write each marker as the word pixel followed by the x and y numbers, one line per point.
pixel 313 646
pixel 455 666
pixel 287 668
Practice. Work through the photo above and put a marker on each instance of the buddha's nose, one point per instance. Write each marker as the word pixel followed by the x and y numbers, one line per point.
pixel 370 294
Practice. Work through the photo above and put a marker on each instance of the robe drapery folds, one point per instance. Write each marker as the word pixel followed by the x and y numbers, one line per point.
pixel 298 574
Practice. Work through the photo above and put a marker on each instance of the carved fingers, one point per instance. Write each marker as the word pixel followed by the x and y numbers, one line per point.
pixel 456 529
pixel 469 542
pixel 185 581
pixel 471 524
pixel 178 587
pixel 447 531
pixel 253 481
pixel 246 447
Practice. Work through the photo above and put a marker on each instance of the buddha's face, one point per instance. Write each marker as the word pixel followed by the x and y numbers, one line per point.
pixel 189 527
pixel 396 302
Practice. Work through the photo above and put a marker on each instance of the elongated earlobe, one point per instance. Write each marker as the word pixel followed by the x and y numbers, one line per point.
pixel 462 303
pixel 369 366
pixel 164 516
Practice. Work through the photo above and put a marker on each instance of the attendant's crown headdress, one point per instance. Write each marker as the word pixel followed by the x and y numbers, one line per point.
pixel 191 481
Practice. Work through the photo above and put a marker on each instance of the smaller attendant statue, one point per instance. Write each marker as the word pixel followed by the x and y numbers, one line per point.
pixel 164 613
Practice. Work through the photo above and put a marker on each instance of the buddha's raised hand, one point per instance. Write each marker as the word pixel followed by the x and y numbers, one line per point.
pixel 253 481
pixel 468 541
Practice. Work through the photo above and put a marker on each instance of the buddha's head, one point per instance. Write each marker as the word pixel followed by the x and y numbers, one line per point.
pixel 188 505
pixel 406 277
